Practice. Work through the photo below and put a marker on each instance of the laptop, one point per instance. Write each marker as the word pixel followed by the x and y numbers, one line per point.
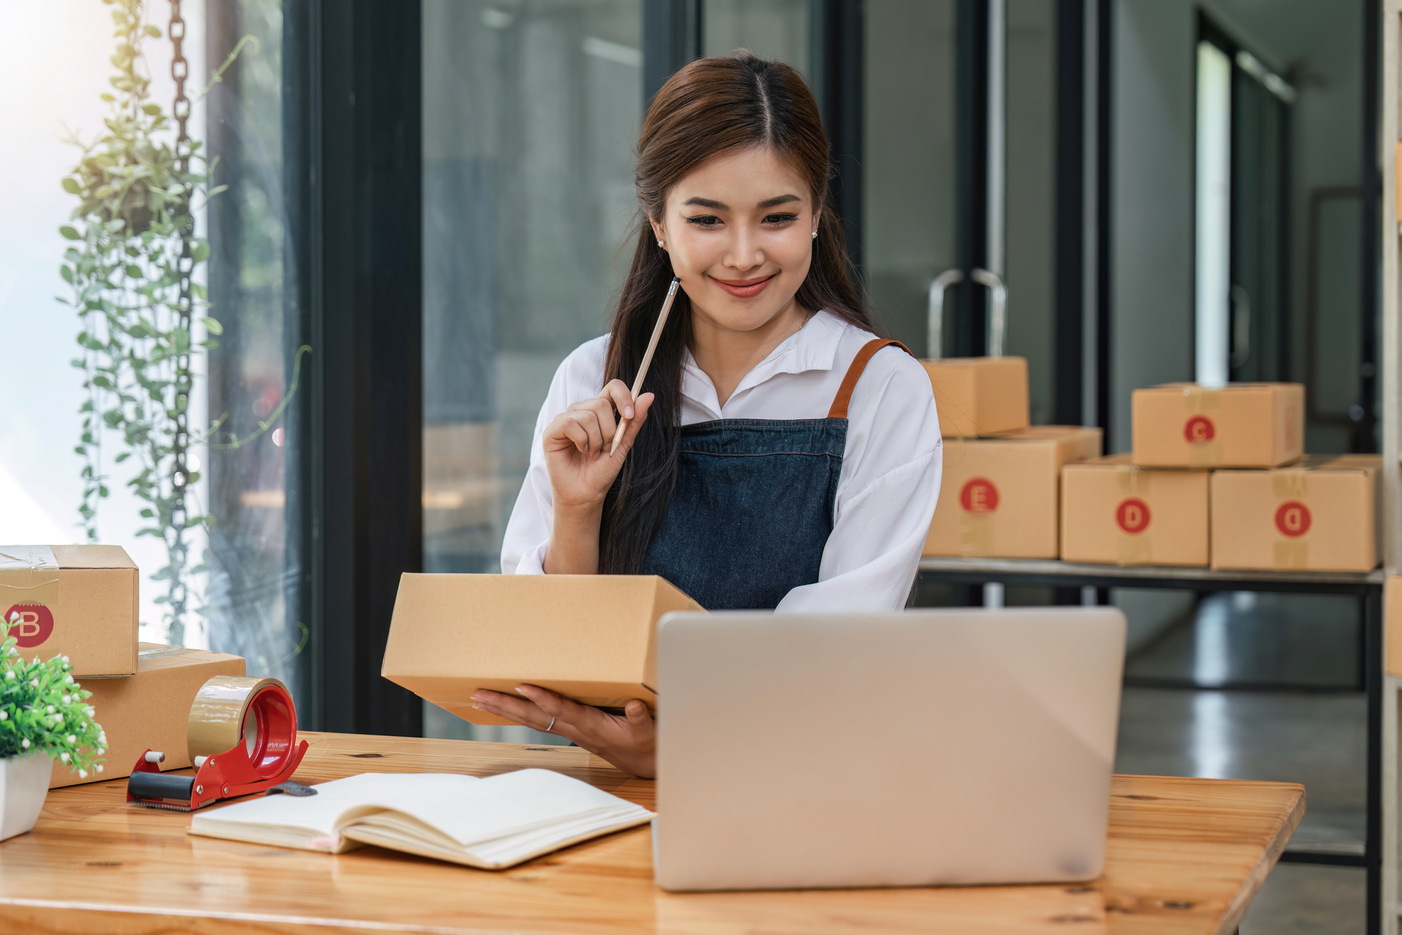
pixel 940 747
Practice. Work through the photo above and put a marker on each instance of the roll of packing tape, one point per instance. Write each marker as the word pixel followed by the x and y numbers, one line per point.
pixel 230 710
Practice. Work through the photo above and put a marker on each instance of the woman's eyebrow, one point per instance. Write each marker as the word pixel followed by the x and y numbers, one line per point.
pixel 719 206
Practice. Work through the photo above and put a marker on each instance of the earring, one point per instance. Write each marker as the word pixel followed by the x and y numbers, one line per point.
pixel 659 243
pixel 815 235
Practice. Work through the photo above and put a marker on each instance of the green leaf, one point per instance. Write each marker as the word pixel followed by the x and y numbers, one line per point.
pixel 70 232
pixel 200 253
pixel 151 110
pixel 212 325
pixel 66 272
pixel 70 185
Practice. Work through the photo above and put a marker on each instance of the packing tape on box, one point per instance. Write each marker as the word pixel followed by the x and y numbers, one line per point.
pixel 1131 480
pixel 975 534
pixel 1132 548
pixel 1290 554
pixel 220 718
pixel 28 576
pixel 1203 401
pixel 1290 483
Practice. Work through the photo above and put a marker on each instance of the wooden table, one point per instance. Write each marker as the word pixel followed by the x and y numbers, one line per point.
pixel 1185 855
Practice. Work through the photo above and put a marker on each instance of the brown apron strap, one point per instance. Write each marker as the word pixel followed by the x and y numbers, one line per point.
pixel 854 373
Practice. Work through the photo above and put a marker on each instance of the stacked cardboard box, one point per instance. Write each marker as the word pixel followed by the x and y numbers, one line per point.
pixel 80 601
pixel 1000 495
pixel 1115 512
pixel 1230 485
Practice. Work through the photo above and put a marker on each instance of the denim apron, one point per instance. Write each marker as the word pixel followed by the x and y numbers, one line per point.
pixel 753 504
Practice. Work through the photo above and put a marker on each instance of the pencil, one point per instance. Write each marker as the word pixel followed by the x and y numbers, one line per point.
pixel 647 358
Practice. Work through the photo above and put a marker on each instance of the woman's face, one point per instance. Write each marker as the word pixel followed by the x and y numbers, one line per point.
pixel 739 231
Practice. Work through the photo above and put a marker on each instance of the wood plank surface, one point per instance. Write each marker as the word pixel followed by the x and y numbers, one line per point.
pixel 1185 855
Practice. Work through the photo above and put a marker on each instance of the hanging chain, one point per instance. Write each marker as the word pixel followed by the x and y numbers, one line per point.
pixel 184 381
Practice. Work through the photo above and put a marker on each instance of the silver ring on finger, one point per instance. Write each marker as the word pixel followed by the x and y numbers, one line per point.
pixel 550 725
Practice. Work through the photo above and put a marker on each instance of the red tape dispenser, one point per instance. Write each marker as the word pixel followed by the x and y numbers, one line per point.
pixel 242 736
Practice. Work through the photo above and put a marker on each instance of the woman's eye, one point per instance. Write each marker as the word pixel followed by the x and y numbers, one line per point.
pixel 704 220
pixel 780 218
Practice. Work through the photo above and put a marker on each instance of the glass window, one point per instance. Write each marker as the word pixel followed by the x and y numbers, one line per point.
pixel 774 29
pixel 909 135
pixel 195 491
pixel 530 114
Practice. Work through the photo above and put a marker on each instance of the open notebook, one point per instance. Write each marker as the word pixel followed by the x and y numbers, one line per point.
pixel 489 823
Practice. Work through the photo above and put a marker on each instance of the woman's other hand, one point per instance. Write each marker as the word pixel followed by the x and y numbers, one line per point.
pixel 628 741
pixel 577 444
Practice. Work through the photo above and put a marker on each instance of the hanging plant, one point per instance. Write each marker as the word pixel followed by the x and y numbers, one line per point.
pixel 132 266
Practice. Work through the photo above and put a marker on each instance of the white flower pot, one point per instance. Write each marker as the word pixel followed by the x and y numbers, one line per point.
pixel 24 781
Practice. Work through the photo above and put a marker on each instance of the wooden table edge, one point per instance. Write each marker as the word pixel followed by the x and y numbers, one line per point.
pixel 1256 878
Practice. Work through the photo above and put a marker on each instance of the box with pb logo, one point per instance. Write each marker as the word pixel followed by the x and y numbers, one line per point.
pixel 73 600
pixel 1113 512
pixel 1000 496
pixel 1246 425
pixel 1318 515
pixel 979 395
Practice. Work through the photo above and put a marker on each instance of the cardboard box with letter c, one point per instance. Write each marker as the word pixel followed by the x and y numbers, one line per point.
pixel 1113 512
pixel 1000 496
pixel 1318 515
pixel 1245 425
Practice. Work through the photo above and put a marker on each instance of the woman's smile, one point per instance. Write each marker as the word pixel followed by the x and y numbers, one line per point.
pixel 744 288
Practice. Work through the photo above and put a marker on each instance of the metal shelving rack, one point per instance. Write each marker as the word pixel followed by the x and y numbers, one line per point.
pixel 1388 100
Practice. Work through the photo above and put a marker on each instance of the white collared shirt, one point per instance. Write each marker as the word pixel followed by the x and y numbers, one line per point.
pixel 890 476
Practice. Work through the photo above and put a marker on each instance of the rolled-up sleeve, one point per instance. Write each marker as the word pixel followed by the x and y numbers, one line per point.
pixel 887 495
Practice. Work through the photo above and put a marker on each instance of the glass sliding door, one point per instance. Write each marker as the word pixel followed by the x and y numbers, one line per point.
pixel 909 228
pixel 530 113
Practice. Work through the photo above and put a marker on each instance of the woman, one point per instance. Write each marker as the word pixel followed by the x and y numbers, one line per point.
pixel 777 460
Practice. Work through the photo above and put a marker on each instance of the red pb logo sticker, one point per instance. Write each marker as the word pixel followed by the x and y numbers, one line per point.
pixel 1132 515
pixel 36 623
pixel 1199 429
pixel 1293 519
pixel 979 496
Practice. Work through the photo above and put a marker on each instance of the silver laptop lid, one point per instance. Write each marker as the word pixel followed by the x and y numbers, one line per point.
pixel 916 748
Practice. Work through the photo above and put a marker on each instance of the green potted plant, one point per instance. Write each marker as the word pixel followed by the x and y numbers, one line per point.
pixel 44 716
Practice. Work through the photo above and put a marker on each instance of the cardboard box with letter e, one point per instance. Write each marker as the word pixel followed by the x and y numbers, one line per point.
pixel 979 395
pixel 1001 496
pixel 1318 515
pixel 73 600
pixel 1239 425
pixel 1113 512
pixel 589 637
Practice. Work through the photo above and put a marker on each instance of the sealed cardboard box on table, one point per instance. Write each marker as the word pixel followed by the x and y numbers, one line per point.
pixel 589 637
pixel 1113 512
pixel 78 601
pixel 149 710
pixel 979 395
pixel 1318 515
pixel 1001 497
pixel 1239 425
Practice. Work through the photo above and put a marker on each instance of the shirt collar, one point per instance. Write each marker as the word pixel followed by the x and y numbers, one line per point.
pixel 812 347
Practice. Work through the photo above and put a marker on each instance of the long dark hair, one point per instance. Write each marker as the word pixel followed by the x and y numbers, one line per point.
pixel 709 107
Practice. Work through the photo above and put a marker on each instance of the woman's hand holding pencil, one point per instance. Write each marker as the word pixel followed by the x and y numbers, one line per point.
pixel 580 445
